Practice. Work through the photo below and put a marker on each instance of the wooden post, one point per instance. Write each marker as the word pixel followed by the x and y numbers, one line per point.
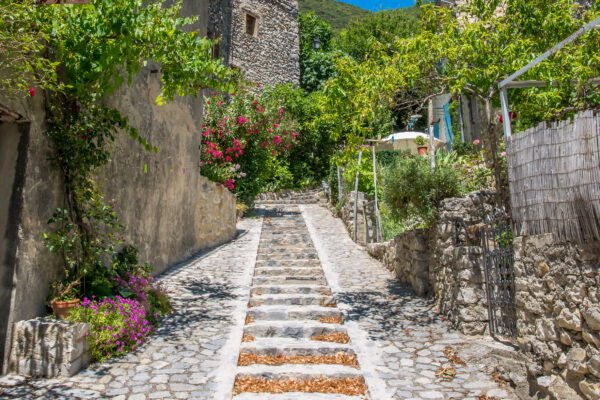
pixel 356 194
pixel 460 117
pixel 431 135
pixel 377 215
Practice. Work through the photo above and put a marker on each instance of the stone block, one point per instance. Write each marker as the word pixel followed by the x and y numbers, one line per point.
pixel 45 347
pixel 570 319
pixel 576 361
pixel 592 317
pixel 590 390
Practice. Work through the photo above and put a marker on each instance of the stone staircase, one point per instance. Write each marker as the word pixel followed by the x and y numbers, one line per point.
pixel 291 305
pixel 311 196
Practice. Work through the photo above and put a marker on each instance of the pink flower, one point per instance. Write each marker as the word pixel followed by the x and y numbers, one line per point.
pixel 228 159
pixel 476 142
pixel 281 111
pixel 264 144
pixel 241 120
pixel 207 101
pixel 220 103
pixel 276 140
pixel 503 154
pixel 31 92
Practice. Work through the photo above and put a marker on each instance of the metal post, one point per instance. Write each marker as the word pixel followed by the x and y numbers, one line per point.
pixel 377 215
pixel 460 117
pixel 356 194
pixel 505 113
pixel 431 135
pixel 340 188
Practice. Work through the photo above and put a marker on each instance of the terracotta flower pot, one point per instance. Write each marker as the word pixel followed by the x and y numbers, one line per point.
pixel 62 309
pixel 422 150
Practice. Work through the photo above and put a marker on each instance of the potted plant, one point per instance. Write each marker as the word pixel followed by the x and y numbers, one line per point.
pixel 64 298
pixel 421 145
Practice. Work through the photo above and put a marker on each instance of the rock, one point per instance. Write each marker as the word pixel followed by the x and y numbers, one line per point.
pixel 542 268
pixel 544 381
pixel 545 330
pixel 590 390
pixel 562 360
pixel 570 319
pixel 565 338
pixel 561 390
pixel 594 366
pixel 592 317
pixel 575 295
pixel 377 250
pixel 590 337
pixel 576 361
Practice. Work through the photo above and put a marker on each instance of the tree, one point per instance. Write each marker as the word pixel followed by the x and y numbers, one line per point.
pixel 384 27
pixel 316 65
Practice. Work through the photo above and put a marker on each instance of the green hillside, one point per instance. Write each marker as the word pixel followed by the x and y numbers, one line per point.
pixel 335 12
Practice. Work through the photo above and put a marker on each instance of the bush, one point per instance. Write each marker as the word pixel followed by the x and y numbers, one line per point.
pixel 385 158
pixel 412 189
pixel 464 148
pixel 117 325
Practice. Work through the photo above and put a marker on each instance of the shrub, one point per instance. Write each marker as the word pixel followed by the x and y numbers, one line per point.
pixel 117 325
pixel 386 158
pixel 411 188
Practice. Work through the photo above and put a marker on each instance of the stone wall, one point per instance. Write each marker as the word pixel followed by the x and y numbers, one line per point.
pixel 48 348
pixel 446 261
pixel 558 314
pixel 365 219
pixel 271 55
pixel 169 211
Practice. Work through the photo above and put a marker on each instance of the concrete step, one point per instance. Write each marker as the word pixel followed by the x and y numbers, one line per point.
pixel 291 299
pixel 291 329
pixel 290 289
pixel 288 280
pixel 277 202
pixel 289 271
pixel 298 372
pixel 296 396
pixel 294 347
pixel 286 313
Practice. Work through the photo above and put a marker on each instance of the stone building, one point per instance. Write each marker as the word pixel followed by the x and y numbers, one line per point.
pixel 259 37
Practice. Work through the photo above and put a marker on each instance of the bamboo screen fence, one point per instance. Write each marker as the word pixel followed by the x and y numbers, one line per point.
pixel 554 178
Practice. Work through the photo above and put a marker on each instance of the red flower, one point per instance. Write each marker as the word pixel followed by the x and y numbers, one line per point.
pixel 31 92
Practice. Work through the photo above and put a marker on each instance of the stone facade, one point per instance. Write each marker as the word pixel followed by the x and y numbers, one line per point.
pixel 49 348
pixel 558 314
pixel 260 37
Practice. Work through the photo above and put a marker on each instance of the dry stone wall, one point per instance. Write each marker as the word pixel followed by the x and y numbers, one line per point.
pixel 558 314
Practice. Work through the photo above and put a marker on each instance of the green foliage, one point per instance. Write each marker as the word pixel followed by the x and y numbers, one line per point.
pixel 247 139
pixel 412 189
pixel 464 148
pixel 308 161
pixel 386 158
pixel 420 141
pixel 316 66
pixel 384 27
pixel 337 13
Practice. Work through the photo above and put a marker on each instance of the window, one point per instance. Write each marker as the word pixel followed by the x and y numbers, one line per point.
pixel 251 25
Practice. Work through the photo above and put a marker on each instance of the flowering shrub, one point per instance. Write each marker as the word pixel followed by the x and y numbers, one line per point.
pixel 147 292
pixel 117 325
pixel 244 136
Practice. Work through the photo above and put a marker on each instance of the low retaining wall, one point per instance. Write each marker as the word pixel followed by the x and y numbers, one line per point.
pixel 45 347
pixel 558 314
pixel 445 261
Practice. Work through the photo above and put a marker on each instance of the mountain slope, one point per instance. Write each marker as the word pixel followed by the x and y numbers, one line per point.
pixel 335 12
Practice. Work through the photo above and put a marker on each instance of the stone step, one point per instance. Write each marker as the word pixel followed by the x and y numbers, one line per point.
pixel 290 289
pixel 289 271
pixel 294 347
pixel 285 249
pixel 295 396
pixel 280 256
pixel 298 372
pixel 291 299
pixel 286 313
pixel 277 202
pixel 291 329
pixel 300 263
pixel 288 280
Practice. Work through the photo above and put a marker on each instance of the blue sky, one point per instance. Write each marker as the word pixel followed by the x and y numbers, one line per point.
pixel 377 5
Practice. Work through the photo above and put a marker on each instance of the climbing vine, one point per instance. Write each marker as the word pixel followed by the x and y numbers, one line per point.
pixel 77 55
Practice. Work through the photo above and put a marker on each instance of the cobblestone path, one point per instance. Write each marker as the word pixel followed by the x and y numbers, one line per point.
pixel 193 353
pixel 245 314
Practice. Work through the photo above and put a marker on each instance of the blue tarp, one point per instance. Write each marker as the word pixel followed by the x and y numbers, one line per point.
pixel 448 123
